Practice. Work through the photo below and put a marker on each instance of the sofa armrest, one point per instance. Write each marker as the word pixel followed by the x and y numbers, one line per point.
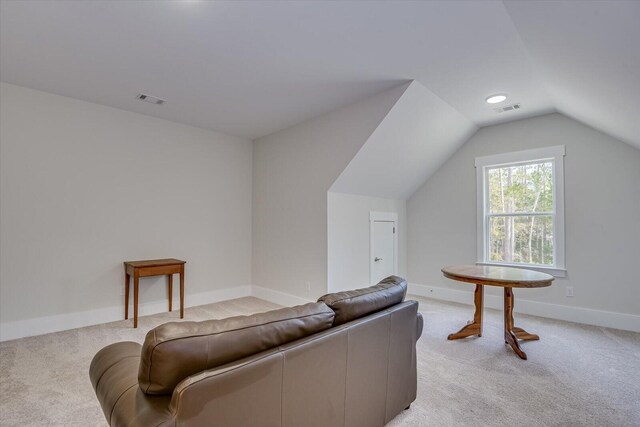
pixel 420 326
pixel 114 376
pixel 113 371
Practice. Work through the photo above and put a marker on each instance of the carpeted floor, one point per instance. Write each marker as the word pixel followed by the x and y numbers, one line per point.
pixel 576 375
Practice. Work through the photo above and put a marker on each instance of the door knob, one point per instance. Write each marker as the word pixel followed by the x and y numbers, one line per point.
pixel 376 259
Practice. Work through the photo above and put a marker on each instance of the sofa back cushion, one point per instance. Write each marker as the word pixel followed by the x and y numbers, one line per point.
pixel 350 305
pixel 176 350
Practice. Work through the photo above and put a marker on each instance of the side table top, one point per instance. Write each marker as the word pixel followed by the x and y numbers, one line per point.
pixel 510 277
pixel 154 262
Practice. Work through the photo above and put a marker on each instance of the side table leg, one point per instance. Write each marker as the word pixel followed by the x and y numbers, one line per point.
pixel 510 336
pixel 126 296
pixel 170 290
pixel 135 299
pixel 475 326
pixel 182 292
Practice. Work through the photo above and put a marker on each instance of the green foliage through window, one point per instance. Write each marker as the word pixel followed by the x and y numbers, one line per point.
pixel 520 213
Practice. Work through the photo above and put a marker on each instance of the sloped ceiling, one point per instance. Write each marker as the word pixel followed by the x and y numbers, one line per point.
pixel 415 138
pixel 588 56
pixel 251 68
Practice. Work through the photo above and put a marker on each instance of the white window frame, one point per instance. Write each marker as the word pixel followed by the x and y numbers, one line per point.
pixel 553 154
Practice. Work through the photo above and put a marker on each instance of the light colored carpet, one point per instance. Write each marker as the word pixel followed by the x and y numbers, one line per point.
pixel 576 375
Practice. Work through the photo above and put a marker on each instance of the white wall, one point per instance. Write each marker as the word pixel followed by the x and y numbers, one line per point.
pixel 349 238
pixel 419 134
pixel 85 187
pixel 602 216
pixel 293 170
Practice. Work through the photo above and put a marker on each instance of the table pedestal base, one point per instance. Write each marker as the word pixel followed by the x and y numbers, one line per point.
pixel 511 333
pixel 473 327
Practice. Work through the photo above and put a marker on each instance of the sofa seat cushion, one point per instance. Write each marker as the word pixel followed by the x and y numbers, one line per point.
pixel 176 350
pixel 350 305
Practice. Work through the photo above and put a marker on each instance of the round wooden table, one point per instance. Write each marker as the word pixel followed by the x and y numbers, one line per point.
pixel 506 277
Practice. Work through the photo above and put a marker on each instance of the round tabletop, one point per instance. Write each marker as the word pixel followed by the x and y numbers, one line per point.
pixel 508 277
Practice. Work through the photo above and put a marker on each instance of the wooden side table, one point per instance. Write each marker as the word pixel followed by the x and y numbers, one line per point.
pixel 154 267
pixel 506 277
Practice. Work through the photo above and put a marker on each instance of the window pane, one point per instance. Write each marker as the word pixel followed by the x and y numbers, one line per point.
pixel 521 188
pixel 521 239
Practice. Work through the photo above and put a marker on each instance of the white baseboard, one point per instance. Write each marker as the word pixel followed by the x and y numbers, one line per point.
pixel 62 322
pixel 278 297
pixel 607 319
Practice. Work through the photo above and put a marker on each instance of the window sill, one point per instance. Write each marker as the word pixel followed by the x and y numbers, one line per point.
pixel 554 271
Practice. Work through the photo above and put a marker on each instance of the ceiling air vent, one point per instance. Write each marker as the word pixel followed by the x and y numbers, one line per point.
pixel 150 99
pixel 507 108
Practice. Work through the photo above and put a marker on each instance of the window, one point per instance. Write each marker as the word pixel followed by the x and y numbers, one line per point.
pixel 521 209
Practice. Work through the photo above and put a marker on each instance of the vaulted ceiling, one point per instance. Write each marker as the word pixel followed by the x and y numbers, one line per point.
pixel 418 134
pixel 252 68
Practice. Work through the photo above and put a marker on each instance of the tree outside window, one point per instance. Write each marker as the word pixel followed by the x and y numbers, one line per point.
pixel 520 199
pixel 521 209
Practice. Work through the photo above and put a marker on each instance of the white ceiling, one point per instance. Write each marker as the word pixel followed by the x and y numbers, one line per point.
pixel 588 56
pixel 418 134
pixel 252 68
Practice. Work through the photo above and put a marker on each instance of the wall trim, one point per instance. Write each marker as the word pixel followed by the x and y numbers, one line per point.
pixel 278 297
pixel 63 322
pixel 607 319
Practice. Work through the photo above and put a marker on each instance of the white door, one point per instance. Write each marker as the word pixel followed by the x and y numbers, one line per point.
pixel 383 256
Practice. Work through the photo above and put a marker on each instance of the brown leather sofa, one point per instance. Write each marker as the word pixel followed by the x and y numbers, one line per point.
pixel 347 360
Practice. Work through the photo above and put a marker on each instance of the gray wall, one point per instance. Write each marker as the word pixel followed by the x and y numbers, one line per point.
pixel 85 187
pixel 602 216
pixel 349 238
pixel 293 170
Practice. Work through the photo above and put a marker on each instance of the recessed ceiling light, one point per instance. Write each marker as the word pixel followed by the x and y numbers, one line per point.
pixel 494 99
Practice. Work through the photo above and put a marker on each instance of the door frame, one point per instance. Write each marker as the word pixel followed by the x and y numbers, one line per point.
pixel 383 217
